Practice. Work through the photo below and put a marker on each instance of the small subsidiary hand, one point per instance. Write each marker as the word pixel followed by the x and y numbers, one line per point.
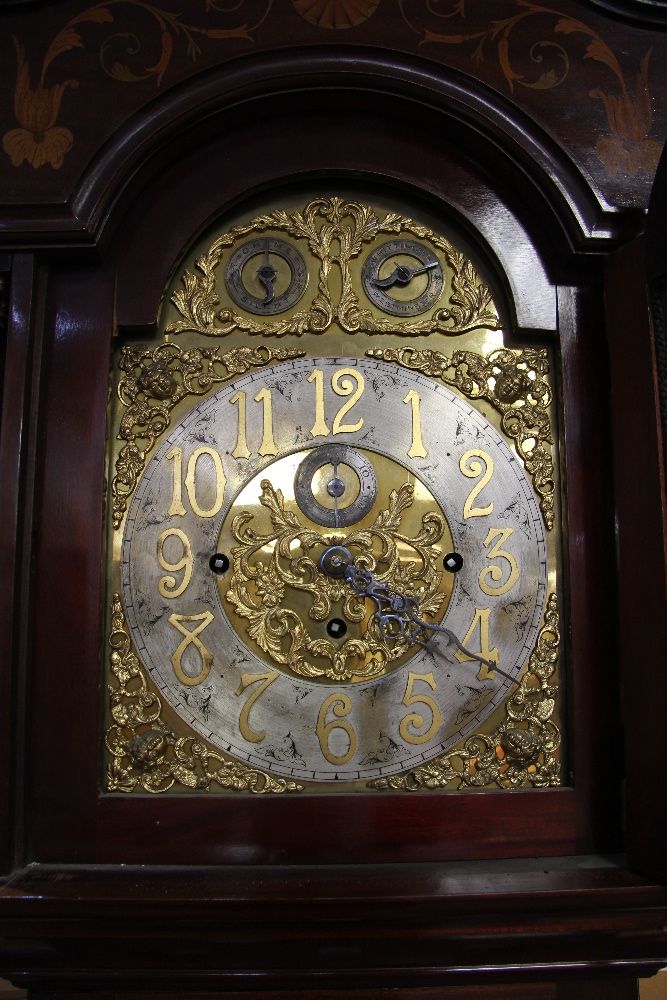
pixel 402 275
pixel 267 275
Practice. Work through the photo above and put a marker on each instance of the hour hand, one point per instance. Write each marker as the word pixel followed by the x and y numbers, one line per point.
pixel 266 275
pixel 403 275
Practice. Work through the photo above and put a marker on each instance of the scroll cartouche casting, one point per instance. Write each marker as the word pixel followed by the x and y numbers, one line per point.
pixel 146 754
pixel 335 231
pixel 262 591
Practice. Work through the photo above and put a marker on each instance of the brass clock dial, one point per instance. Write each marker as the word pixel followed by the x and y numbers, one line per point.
pixel 249 658
pixel 266 276
pixel 403 277
pixel 334 555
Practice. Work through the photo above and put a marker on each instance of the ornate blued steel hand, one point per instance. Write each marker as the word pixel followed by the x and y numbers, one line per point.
pixel 403 275
pixel 396 615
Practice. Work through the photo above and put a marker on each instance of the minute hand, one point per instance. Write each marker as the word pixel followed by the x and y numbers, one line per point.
pixel 402 275
pixel 396 615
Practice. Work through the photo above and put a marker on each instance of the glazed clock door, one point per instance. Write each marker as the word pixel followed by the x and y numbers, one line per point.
pixel 334 529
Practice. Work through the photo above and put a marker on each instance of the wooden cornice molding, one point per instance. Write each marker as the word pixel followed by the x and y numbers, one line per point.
pixel 493 130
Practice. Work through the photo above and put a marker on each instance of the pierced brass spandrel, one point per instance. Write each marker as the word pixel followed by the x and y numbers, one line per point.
pixel 154 380
pixel 515 383
pixel 522 751
pixel 146 754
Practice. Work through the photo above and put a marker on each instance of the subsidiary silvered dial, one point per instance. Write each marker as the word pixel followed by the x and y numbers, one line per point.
pixel 266 276
pixel 349 480
pixel 403 277
pixel 230 581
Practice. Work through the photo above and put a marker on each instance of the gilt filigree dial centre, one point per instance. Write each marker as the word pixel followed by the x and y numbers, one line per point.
pixel 281 599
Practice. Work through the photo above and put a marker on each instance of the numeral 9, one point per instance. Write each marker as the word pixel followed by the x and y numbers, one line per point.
pixel 168 585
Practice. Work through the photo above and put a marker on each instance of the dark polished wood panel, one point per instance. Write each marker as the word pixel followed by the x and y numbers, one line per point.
pixel 399 926
pixel 420 896
pixel 20 401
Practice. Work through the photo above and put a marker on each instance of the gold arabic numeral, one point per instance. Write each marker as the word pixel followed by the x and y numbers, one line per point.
pixel 176 508
pixel 412 723
pixel 241 449
pixel 268 445
pixel 264 680
pixel 191 638
pixel 417 449
pixel 168 585
pixel 496 573
pixel 480 622
pixel 473 464
pixel 341 706
pixel 319 428
pixel 191 481
pixel 343 384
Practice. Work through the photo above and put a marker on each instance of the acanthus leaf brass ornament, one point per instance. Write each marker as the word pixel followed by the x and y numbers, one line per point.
pixel 259 590
pixel 333 232
pixel 515 383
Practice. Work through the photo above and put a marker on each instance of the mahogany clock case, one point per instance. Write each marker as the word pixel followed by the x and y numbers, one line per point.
pixel 552 291
pixel 136 892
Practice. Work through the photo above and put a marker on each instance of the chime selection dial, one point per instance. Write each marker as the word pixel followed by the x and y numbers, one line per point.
pixel 403 277
pixel 266 276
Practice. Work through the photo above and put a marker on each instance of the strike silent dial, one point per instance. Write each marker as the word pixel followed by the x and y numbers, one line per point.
pixel 266 276
pixel 348 485
pixel 403 277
